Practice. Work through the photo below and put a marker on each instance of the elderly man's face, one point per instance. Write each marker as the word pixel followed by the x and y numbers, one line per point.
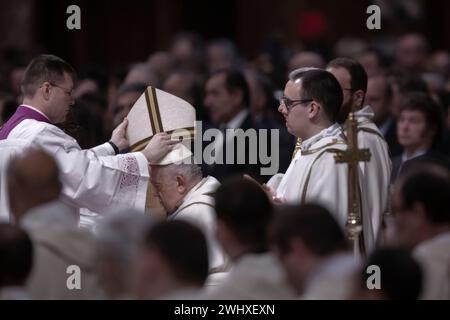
pixel 167 188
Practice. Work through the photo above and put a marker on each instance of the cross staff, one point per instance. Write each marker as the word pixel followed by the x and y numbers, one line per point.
pixel 352 156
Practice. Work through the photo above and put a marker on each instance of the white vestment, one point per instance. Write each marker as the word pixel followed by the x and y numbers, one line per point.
pixel 333 279
pixel 58 243
pixel 94 179
pixel 374 176
pixel 253 277
pixel 198 208
pixel 314 177
pixel 434 258
pixel 8 149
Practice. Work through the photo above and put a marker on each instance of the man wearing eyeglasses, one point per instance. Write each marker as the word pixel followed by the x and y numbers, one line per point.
pixel 98 179
pixel 310 105
pixel 374 174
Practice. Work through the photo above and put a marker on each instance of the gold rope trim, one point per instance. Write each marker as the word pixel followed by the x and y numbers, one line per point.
pixel 372 131
pixel 150 108
pixel 312 151
pixel 156 110
pixel 305 187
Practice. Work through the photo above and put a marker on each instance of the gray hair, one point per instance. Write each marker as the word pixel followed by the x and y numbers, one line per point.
pixel 189 171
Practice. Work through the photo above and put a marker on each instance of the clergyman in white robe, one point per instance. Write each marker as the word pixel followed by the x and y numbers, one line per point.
pixel 58 246
pixel 313 175
pixel 95 179
pixel 198 208
pixel 374 176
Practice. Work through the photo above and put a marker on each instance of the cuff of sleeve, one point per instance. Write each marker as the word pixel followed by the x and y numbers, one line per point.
pixel 104 149
pixel 143 163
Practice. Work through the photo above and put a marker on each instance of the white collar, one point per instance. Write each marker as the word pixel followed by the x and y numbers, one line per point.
pixel 416 154
pixel 334 130
pixel 366 112
pixel 34 109
pixel 238 119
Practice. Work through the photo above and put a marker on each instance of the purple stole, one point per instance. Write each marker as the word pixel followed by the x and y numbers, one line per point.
pixel 22 113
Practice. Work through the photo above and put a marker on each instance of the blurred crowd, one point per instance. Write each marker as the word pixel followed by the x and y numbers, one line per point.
pixel 266 251
pixel 104 95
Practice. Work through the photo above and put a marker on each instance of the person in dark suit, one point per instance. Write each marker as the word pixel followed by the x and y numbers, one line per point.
pixel 379 97
pixel 227 98
pixel 419 129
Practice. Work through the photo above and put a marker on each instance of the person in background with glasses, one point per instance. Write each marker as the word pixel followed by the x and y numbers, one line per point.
pixel 310 105
pixel 375 174
pixel 98 179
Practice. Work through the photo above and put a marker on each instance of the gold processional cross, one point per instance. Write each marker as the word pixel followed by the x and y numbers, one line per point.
pixel 352 156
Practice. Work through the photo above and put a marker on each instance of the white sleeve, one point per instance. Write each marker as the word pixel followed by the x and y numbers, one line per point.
pixel 96 181
pixel 103 150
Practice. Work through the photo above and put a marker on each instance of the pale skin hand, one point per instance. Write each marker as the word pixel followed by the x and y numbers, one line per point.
pixel 273 195
pixel 158 147
pixel 118 136
pixel 269 191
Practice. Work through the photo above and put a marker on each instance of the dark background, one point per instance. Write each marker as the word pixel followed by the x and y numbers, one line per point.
pixel 118 32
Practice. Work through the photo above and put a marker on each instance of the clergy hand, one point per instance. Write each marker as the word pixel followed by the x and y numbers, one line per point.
pixel 273 195
pixel 158 147
pixel 118 136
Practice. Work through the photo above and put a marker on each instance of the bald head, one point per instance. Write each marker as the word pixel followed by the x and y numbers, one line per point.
pixel 306 59
pixel 33 180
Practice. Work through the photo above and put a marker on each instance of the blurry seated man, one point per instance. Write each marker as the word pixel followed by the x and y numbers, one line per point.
pixel 314 252
pixel 127 96
pixel 421 207
pixel 172 262
pixel 16 262
pixel 244 213
pixel 186 195
pixel 34 189
pixel 117 240
pixel 400 277
pixel 419 129
pixel 142 73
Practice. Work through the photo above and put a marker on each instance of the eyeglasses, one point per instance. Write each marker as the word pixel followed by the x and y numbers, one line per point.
pixel 289 104
pixel 66 91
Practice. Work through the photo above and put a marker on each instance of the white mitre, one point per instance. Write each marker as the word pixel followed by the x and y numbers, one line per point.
pixel 159 111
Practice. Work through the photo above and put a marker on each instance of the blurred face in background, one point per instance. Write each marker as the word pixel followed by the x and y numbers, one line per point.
pixel 125 102
pixel 221 104
pixel 377 98
pixel 412 131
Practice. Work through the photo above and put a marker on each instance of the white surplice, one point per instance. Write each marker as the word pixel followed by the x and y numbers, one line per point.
pixel 374 177
pixel 59 243
pixel 434 258
pixel 198 208
pixel 94 179
pixel 313 175
pixel 8 149
pixel 253 277
pixel 333 279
